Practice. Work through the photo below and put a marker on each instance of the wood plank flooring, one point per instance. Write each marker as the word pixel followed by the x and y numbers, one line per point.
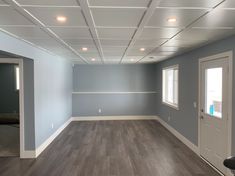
pixel 111 148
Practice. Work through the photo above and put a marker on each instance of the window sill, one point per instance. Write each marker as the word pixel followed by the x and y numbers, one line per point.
pixel 171 105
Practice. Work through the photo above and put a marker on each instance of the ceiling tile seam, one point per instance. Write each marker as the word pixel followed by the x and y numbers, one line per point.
pixel 49 6
pixel 185 8
pixel 115 27
pixel 207 12
pixel 143 21
pixel 79 27
pixel 87 14
pixel 116 7
pixel 15 5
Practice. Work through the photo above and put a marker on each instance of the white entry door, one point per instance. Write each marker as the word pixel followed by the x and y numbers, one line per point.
pixel 214 103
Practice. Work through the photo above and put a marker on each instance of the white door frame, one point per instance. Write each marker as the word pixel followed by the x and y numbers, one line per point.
pixel 228 55
pixel 21 99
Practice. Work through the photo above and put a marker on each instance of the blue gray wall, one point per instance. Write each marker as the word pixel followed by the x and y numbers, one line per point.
pixel 9 101
pixel 112 88
pixel 53 99
pixel 185 120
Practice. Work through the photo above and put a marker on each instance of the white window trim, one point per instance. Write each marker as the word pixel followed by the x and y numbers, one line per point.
pixel 15 71
pixel 174 106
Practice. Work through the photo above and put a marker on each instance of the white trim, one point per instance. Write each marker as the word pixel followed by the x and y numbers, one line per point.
pixel 23 153
pixel 97 118
pixel 229 55
pixel 28 154
pixel 49 140
pixel 183 139
pixel 150 92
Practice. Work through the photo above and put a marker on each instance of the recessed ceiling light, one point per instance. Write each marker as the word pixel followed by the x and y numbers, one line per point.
pixel 61 18
pixel 93 59
pixel 84 49
pixel 132 60
pixel 142 49
pixel 171 20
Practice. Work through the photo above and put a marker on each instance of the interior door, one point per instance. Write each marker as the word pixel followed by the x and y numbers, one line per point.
pixel 214 111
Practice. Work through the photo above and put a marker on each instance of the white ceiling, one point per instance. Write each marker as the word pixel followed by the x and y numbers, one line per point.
pixel 115 30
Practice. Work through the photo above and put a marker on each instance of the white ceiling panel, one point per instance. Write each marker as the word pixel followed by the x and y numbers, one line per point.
pixel 217 18
pixel 83 42
pixel 48 43
pixel 204 34
pixel 189 3
pixel 111 42
pixel 117 17
pixel 48 2
pixel 113 53
pixel 184 43
pixel 169 49
pixel 91 49
pixel 116 33
pixel 136 58
pixel 9 16
pixel 183 17
pixel 147 43
pixel 72 33
pixel 124 3
pixel 27 32
pixel 2 3
pixel 113 49
pixel 228 4
pixel 137 52
pixel 48 15
pixel 158 33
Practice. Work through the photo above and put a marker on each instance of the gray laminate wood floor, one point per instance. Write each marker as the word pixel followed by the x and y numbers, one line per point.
pixel 111 148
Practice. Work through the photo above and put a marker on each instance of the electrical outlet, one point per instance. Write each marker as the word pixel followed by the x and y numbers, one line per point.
pixel 169 118
pixel 100 110
pixel 52 126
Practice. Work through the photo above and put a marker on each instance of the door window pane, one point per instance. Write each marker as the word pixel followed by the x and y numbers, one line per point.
pixel 214 92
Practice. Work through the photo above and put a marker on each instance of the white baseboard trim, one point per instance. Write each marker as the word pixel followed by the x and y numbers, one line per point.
pixel 183 139
pixel 45 144
pixel 98 118
pixel 28 154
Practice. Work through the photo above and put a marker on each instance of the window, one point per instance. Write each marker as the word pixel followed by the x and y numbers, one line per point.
pixel 170 86
pixel 17 77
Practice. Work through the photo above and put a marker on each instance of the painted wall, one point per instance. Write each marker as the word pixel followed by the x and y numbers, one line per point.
pixel 53 99
pixel 185 120
pixel 9 101
pixel 51 86
pixel 100 82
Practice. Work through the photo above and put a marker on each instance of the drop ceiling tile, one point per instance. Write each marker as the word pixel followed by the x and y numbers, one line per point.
pixel 169 49
pixel 9 16
pixel 47 15
pixel 27 32
pixel 2 3
pixel 115 33
pixel 137 52
pixel 158 33
pixel 111 42
pixel 48 43
pixel 228 4
pixel 204 34
pixel 124 3
pixel 91 49
pixel 48 2
pixel 112 61
pixel 183 16
pixel 184 43
pixel 128 58
pixel 117 17
pixel 149 42
pixel 113 49
pixel 189 3
pixel 217 18
pixel 83 42
pixel 118 58
pixel 72 33
pixel 113 53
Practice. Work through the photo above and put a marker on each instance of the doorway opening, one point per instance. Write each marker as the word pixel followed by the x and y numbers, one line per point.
pixel 11 108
